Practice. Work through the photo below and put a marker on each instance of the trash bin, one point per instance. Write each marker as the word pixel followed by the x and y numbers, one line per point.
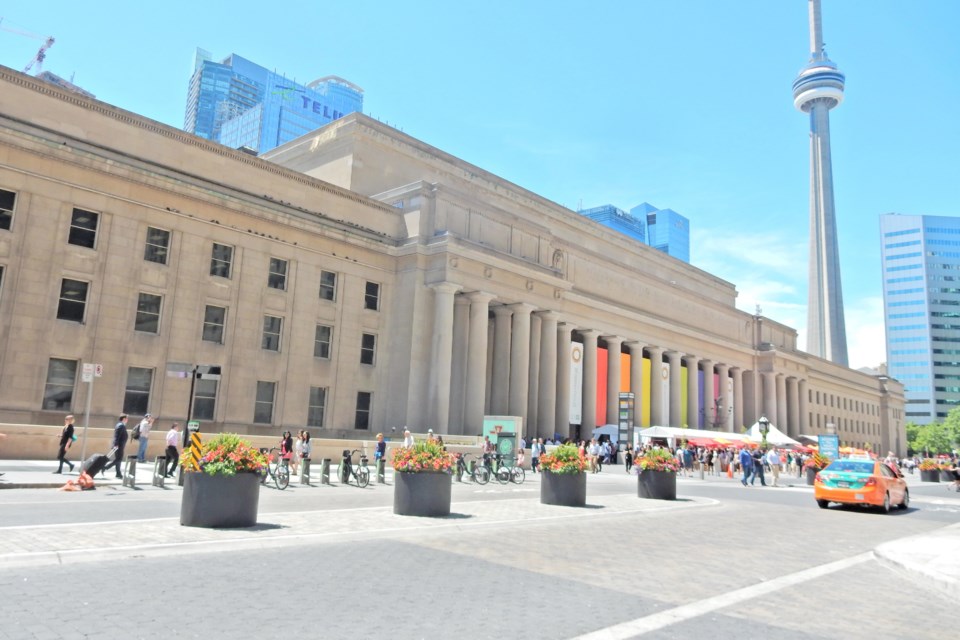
pixel 325 471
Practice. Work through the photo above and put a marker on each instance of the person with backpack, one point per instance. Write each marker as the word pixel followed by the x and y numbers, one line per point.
pixel 119 443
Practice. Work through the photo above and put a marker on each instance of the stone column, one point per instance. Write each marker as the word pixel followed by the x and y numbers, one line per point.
pixel 589 422
pixel 614 345
pixel 709 405
pixel 793 403
pixel 547 394
pixel 781 401
pixel 676 407
pixel 726 406
pixel 488 394
pixel 656 388
pixel 475 391
pixel 458 382
pixel 564 331
pixel 500 391
pixel 769 395
pixel 441 355
pixel 693 398
pixel 737 399
pixel 520 360
pixel 804 423
pixel 636 381
pixel 533 390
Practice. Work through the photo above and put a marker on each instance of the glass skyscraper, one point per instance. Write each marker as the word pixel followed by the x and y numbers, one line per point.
pixel 241 104
pixel 662 229
pixel 921 306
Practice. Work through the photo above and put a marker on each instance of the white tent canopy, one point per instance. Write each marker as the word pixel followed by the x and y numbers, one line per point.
pixel 774 436
pixel 611 430
pixel 678 433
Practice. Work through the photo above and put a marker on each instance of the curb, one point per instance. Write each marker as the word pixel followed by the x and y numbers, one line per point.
pixel 923 573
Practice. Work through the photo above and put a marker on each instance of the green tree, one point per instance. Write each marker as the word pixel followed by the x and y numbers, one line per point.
pixel 913 432
pixel 935 438
pixel 952 423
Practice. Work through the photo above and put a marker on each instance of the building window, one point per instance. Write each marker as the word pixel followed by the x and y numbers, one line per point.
pixel 7 200
pixel 148 313
pixel 221 260
pixel 158 243
pixel 214 320
pixel 136 397
pixel 368 348
pixel 371 297
pixel 204 399
pixel 83 228
pixel 73 300
pixel 317 407
pixel 328 285
pixel 263 407
pixel 272 326
pixel 58 391
pixel 364 406
pixel 277 279
pixel 321 343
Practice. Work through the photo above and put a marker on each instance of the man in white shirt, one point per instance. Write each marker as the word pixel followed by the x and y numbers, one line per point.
pixel 173 449
pixel 145 425
pixel 773 459
pixel 407 438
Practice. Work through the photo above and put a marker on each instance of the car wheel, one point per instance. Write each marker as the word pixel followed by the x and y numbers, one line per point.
pixel 823 504
pixel 886 503
pixel 906 500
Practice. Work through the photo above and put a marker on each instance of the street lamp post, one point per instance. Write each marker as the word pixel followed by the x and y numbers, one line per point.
pixel 764 429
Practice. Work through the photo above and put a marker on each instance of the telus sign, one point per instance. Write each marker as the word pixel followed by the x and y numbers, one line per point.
pixel 320 108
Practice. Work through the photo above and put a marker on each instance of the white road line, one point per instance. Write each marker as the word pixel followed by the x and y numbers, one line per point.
pixel 685 612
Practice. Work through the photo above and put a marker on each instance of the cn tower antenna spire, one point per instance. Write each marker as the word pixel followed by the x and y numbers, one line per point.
pixel 817 89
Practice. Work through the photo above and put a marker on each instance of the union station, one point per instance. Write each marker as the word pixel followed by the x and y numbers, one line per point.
pixel 359 280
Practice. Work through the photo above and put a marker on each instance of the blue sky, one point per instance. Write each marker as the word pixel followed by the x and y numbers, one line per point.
pixel 684 104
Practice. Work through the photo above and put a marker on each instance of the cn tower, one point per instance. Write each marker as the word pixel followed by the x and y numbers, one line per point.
pixel 817 89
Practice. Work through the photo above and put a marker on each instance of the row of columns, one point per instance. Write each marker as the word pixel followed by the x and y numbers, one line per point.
pixel 528 379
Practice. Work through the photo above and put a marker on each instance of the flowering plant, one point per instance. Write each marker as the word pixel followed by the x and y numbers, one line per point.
pixel 657 460
pixel 817 461
pixel 564 459
pixel 422 457
pixel 928 464
pixel 227 454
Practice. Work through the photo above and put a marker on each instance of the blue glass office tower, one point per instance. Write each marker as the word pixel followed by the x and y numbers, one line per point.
pixel 667 230
pixel 921 306
pixel 241 104
pixel 662 229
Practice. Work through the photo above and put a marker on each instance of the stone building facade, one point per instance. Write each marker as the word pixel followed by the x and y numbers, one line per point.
pixel 357 279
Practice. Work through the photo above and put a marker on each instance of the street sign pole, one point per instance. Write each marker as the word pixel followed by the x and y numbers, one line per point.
pixel 86 422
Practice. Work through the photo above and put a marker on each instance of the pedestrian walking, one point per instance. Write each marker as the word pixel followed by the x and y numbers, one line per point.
pixel 773 459
pixel 142 433
pixel 758 468
pixel 381 451
pixel 746 465
pixel 66 440
pixel 286 448
pixel 628 458
pixel 305 447
pixel 173 449
pixel 119 444
pixel 534 455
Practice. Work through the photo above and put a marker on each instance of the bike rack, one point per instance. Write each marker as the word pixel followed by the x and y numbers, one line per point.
pixel 130 472
pixel 305 470
pixel 159 471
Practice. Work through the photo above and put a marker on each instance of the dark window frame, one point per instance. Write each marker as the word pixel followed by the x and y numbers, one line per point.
pixel 67 306
pixel 213 331
pixel 262 405
pixel 220 266
pixel 368 348
pixel 371 296
pixel 83 235
pixel 268 335
pixel 147 320
pixel 277 274
pixel 317 406
pixel 154 250
pixel 364 410
pixel 328 290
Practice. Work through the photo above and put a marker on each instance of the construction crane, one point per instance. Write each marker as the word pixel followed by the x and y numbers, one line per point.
pixel 41 54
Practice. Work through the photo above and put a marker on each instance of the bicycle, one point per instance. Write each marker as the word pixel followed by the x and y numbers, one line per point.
pixel 510 472
pixel 361 473
pixel 480 474
pixel 277 468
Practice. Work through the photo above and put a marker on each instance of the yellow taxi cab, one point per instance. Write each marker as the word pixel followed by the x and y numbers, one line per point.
pixel 861 481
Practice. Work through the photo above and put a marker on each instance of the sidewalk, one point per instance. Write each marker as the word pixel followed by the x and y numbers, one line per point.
pixel 38 474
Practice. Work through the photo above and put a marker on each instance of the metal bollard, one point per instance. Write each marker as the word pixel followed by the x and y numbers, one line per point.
pixel 381 471
pixel 159 471
pixel 305 470
pixel 130 473
pixel 325 471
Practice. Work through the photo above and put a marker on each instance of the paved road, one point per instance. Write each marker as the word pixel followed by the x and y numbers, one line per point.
pixel 725 561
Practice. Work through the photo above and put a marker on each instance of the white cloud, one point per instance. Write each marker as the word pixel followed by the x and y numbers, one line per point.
pixel 866 335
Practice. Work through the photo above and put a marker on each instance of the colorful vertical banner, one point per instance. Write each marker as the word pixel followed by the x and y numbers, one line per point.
pixel 602 383
pixel 576 382
pixel 645 396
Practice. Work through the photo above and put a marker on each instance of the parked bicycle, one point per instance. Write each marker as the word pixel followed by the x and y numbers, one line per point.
pixel 360 474
pixel 478 474
pixel 508 471
pixel 278 468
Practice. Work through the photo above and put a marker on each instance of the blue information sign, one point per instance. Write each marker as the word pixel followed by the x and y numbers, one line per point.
pixel 829 446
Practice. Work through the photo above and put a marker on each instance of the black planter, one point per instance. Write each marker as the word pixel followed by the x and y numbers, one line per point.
pixel 946 476
pixel 563 489
pixel 421 494
pixel 811 475
pixel 930 475
pixel 220 502
pixel 657 485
